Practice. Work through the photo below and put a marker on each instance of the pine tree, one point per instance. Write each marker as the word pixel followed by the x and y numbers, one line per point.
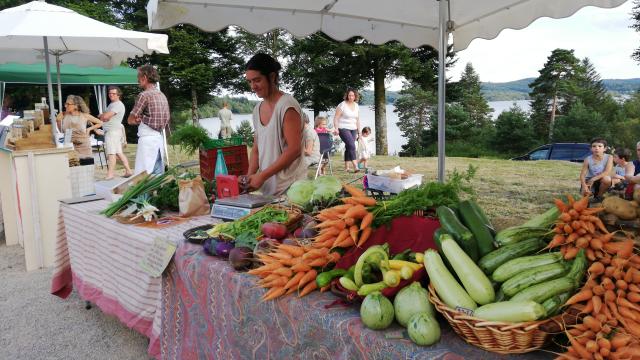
pixel 416 109
pixel 550 90
pixel 471 97
pixel 245 131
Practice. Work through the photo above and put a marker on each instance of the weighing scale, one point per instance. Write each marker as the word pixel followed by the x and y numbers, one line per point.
pixel 235 207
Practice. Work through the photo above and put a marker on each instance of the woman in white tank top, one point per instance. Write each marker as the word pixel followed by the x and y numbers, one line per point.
pixel 346 123
pixel 276 157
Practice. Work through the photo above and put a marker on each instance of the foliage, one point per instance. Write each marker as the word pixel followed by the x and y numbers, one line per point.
pixel 415 108
pixel 591 123
pixel 471 98
pixel 189 137
pixel 245 131
pixel 551 90
pixel 321 69
pixel 635 15
pixel 513 132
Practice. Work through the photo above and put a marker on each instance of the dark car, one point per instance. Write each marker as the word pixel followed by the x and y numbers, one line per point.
pixel 574 152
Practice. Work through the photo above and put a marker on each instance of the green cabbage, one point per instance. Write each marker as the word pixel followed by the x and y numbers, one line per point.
pixel 300 192
pixel 330 182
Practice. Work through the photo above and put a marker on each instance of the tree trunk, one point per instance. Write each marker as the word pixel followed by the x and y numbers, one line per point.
pixel 195 117
pixel 554 105
pixel 380 110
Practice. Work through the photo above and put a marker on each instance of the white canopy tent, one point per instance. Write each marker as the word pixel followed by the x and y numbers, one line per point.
pixel 412 22
pixel 29 32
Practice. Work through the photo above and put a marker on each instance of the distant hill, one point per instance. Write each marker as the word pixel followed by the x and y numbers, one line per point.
pixel 518 90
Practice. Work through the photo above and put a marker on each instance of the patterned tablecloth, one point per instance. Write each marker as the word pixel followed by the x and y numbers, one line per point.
pixel 100 257
pixel 209 311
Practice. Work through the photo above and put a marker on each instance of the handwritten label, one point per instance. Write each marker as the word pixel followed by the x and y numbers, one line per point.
pixel 464 310
pixel 157 257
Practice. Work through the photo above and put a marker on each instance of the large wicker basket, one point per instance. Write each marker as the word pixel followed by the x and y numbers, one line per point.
pixel 498 337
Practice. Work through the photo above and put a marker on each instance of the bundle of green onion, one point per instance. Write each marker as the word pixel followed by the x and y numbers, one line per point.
pixel 147 185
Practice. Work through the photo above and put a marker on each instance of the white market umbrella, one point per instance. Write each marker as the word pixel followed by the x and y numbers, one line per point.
pixel 412 22
pixel 33 31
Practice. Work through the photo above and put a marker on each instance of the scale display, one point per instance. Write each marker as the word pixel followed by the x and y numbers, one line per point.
pixel 228 212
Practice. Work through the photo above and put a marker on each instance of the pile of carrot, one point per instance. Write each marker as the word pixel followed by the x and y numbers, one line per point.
pixel 348 224
pixel 289 268
pixel 578 227
pixel 610 298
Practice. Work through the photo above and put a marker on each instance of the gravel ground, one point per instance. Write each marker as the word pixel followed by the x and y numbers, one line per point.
pixel 37 325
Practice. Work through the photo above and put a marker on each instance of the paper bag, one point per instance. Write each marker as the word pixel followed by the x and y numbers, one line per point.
pixel 192 199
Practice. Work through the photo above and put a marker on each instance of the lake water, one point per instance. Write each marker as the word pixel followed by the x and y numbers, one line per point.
pixel 367 117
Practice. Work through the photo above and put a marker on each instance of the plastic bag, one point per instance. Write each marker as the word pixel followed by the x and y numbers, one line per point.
pixel 192 200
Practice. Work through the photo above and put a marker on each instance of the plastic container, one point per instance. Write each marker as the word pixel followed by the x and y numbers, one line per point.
pixel 219 143
pixel 387 184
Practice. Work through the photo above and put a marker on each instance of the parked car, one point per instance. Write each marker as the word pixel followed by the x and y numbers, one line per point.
pixel 574 152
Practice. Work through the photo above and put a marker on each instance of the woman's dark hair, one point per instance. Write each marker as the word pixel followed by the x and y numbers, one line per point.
pixel 346 94
pixel 624 154
pixel 265 65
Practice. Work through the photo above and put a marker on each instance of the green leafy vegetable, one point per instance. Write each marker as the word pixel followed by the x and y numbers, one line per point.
pixel 427 195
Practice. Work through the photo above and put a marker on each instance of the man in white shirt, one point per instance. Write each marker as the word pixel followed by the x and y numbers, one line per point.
pixel 114 133
pixel 225 121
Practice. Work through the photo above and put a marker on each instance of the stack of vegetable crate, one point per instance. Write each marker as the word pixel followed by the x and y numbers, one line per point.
pixel 517 288
pixel 235 155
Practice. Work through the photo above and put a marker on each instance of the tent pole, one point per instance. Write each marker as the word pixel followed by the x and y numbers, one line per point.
pixel 59 83
pixel 443 33
pixel 52 113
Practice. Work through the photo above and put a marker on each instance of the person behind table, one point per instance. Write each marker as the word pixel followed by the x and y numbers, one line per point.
pixel 311 142
pixel 151 114
pixel 276 156
pixel 76 117
pixel 346 123
pixel 225 121
pixel 114 136
pixel 596 169
pixel 320 125
pixel 363 147
pixel 635 179
pixel 623 168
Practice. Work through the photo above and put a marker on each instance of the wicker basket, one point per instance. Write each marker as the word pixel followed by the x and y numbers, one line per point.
pixel 494 336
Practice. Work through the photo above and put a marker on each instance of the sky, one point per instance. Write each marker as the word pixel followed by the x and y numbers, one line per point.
pixel 602 35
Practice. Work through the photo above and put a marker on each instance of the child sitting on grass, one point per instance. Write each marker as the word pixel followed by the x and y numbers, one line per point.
pixel 594 177
pixel 624 169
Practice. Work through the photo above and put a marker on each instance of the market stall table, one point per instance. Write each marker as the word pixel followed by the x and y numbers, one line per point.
pixel 210 311
pixel 100 258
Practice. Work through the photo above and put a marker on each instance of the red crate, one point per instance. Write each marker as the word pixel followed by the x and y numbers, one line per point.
pixel 235 157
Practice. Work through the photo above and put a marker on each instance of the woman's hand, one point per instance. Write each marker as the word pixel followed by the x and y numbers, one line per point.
pixel 255 181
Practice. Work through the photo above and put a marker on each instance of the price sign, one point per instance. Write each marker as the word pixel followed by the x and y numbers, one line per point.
pixel 157 257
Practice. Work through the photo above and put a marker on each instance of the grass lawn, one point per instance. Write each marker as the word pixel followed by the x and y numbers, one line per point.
pixel 510 192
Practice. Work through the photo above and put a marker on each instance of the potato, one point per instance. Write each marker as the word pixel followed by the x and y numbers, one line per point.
pixel 619 207
pixel 636 195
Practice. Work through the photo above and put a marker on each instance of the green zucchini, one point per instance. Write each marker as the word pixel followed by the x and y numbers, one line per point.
pixel 512 267
pixel 518 233
pixel 475 282
pixel 510 311
pixel 543 291
pixel 578 268
pixel 533 276
pixel 500 296
pixel 452 225
pixel 447 288
pixel 483 216
pixel 490 262
pixel 553 304
pixel 473 221
pixel 437 235
pixel 545 220
pixel 324 278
